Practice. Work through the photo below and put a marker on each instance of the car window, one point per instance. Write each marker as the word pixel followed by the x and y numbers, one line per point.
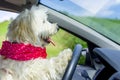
pixel 62 39
pixel 5 18
pixel 102 16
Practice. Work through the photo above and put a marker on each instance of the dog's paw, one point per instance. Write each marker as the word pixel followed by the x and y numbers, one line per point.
pixel 66 54
pixel 59 63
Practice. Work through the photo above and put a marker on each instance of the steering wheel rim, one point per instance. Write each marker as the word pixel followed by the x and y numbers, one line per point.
pixel 73 63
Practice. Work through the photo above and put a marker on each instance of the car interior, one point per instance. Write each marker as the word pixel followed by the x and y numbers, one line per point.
pixel 101 55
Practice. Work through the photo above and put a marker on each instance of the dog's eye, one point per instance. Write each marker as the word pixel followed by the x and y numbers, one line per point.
pixel 43 21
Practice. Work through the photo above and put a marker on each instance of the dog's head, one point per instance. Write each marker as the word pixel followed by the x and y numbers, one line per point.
pixel 32 27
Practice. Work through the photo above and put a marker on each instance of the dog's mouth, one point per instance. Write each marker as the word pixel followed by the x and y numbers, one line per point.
pixel 49 40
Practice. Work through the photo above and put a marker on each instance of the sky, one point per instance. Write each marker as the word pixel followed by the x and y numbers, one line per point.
pixel 91 5
pixel 100 8
pixel 4 15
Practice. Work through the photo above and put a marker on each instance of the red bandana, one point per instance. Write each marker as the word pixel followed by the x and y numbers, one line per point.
pixel 22 52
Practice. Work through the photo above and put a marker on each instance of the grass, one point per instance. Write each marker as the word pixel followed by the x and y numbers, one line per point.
pixel 63 40
pixel 107 27
pixel 3 30
pixel 54 50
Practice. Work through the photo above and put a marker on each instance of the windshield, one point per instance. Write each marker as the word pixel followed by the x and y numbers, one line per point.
pixel 101 15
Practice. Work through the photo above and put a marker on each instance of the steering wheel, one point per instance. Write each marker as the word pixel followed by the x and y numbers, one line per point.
pixel 73 63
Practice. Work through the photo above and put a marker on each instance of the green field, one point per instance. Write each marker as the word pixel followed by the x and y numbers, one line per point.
pixel 107 27
pixel 3 30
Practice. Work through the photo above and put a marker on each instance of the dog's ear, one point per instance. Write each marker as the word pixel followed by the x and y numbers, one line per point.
pixel 20 30
pixel 39 8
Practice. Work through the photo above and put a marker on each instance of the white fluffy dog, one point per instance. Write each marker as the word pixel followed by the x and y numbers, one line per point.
pixel 23 54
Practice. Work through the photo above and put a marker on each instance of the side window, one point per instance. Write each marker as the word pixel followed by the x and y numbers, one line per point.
pixel 5 18
pixel 63 40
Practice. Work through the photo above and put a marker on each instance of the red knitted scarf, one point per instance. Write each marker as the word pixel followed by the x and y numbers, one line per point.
pixel 21 51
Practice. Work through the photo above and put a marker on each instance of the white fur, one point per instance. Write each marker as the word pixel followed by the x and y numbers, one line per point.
pixel 29 28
